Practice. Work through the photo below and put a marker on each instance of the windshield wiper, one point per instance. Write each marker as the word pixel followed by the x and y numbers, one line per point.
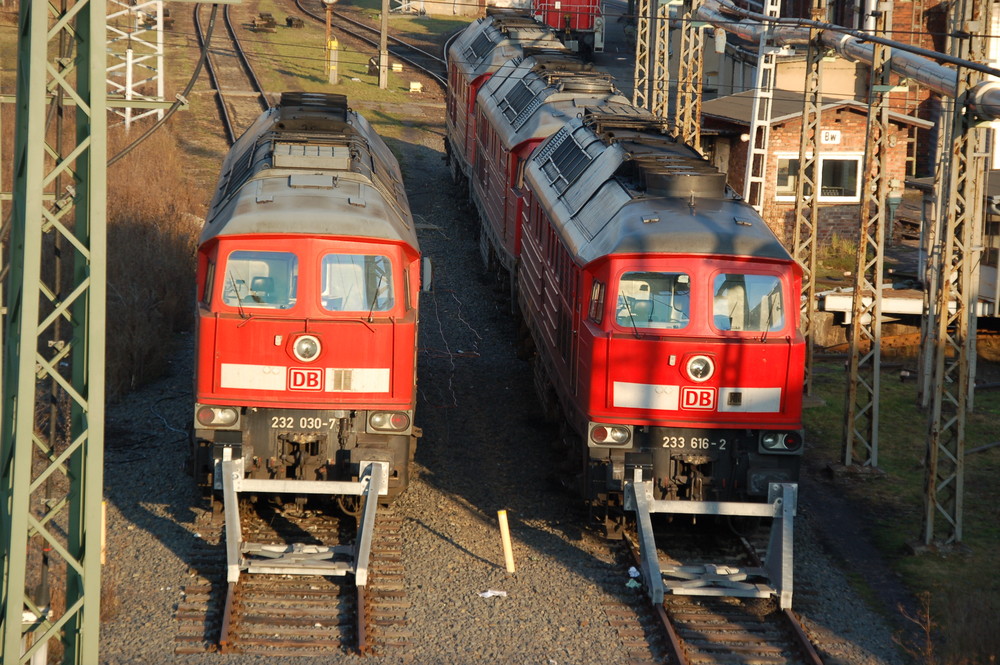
pixel 236 290
pixel 770 310
pixel 635 329
pixel 374 298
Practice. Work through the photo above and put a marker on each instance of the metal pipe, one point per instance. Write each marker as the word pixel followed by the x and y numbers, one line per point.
pixel 908 61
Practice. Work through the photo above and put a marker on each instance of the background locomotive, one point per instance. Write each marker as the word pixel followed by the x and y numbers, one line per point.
pixel 663 310
pixel 309 275
pixel 580 23
pixel 473 57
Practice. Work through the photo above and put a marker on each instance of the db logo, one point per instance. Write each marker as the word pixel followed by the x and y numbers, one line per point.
pixel 698 398
pixel 305 379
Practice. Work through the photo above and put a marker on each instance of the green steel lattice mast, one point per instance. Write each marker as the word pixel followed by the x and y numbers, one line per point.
pixel 61 56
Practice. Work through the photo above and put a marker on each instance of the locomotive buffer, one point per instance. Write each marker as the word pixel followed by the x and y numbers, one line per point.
pixel 298 558
pixel 774 579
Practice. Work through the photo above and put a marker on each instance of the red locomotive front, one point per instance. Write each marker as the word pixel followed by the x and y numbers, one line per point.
pixel 579 22
pixel 309 274
pixel 695 362
pixel 306 353
pixel 665 315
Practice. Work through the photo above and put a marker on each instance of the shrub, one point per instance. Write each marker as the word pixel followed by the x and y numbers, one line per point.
pixel 152 238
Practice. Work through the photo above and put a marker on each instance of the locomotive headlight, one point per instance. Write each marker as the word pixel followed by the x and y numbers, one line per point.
pixel 306 348
pixel 700 368
pixel 780 442
pixel 216 416
pixel 609 435
pixel 388 421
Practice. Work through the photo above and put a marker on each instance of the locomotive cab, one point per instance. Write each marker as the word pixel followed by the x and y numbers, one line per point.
pixel 300 362
pixel 689 363
pixel 665 314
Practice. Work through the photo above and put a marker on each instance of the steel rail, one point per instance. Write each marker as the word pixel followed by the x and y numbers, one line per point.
pixel 676 643
pixel 806 646
pixel 364 646
pixel 227 618
pixel 248 69
pixel 227 123
pixel 213 73
pixel 677 653
pixel 440 77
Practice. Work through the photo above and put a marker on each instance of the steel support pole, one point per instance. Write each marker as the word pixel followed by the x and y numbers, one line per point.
pixel 690 74
pixel 383 47
pixel 760 122
pixel 661 62
pixel 68 520
pixel 807 187
pixel 861 415
pixel 136 54
pixel 958 285
pixel 643 36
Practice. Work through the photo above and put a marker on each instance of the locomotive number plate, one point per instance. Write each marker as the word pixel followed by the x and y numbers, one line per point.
pixel 693 443
pixel 311 423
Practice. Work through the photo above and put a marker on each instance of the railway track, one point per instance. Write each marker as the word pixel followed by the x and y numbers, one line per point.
pixel 429 63
pixel 295 615
pixel 240 97
pixel 707 630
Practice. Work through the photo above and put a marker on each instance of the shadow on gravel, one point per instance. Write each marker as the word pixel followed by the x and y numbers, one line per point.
pixel 483 440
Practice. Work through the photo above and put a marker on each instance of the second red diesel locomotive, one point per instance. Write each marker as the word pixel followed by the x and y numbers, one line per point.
pixel 662 309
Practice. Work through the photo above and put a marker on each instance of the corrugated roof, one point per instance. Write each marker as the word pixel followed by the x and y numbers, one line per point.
pixel 786 104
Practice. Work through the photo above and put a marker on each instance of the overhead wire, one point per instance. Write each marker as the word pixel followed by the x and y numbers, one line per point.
pixel 182 97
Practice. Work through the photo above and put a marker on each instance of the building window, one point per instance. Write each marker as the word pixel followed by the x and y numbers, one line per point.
pixel 839 180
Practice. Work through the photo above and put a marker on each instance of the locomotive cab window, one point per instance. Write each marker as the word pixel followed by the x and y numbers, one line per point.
pixel 596 310
pixel 206 294
pixel 357 283
pixel 745 302
pixel 654 300
pixel 261 279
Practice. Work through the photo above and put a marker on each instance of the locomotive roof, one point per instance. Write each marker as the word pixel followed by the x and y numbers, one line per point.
pixel 501 35
pixel 533 97
pixel 619 185
pixel 312 166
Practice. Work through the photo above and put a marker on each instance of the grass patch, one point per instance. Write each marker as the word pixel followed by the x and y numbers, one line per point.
pixel 953 581
pixel 152 235
pixel 835 258
pixel 294 58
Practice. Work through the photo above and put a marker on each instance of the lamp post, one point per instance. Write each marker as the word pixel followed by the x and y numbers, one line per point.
pixel 331 43
pixel 383 48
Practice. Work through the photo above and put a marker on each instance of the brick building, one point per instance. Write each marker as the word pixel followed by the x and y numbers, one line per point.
pixel 725 131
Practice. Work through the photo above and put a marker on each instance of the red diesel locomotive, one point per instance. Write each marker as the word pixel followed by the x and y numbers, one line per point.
pixel 665 315
pixel 309 275
pixel 663 311
pixel 473 57
pixel 523 103
pixel 580 23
